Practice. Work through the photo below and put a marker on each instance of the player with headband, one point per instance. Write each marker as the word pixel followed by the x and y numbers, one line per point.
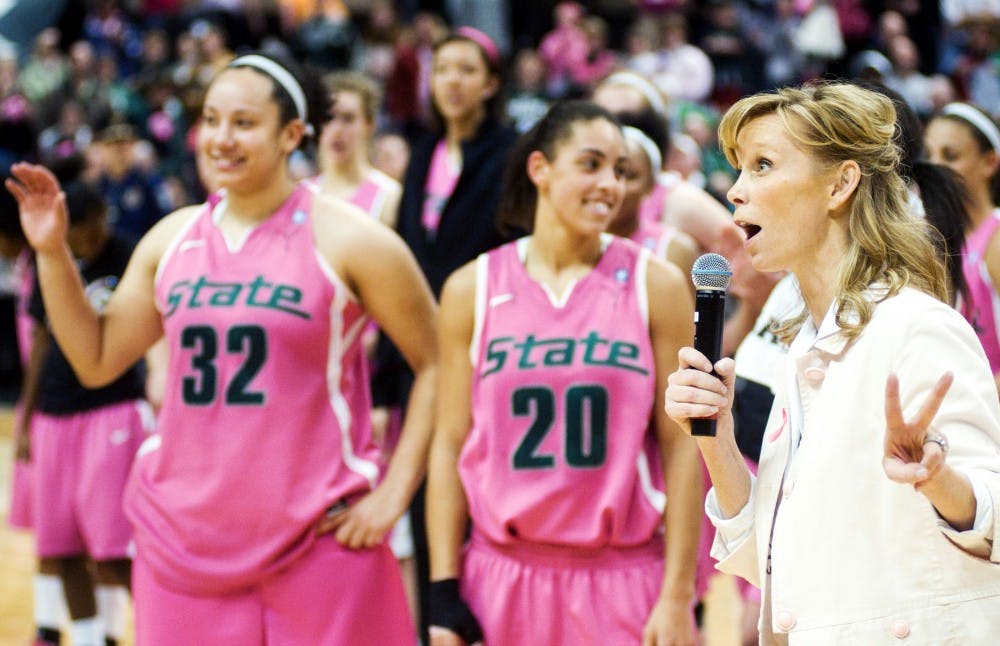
pixel 263 479
pixel 967 140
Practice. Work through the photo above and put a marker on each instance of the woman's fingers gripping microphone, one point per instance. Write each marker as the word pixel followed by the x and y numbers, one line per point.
pixel 693 391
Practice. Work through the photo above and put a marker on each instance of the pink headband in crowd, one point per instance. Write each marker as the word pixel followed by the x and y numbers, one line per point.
pixel 482 40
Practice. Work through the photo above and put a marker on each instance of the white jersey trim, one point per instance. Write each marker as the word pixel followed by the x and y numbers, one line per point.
pixel 147 415
pixel 641 289
pixel 234 246
pixel 558 301
pixel 482 285
pixel 385 184
pixel 339 340
pixel 324 266
pixel 341 409
pixel 656 498
pixel 150 444
pixel 171 251
pixel 335 278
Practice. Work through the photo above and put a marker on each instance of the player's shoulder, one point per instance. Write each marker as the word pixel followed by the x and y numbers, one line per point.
pixel 156 241
pixel 662 274
pixel 384 181
pixel 330 212
pixel 461 284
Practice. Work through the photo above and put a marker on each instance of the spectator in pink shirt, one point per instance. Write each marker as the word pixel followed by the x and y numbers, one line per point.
pixel 599 61
pixel 565 47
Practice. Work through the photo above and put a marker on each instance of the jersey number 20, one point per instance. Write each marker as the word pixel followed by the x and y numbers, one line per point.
pixel 586 427
pixel 200 390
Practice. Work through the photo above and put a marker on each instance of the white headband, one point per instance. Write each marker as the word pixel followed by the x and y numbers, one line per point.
pixel 282 77
pixel 643 86
pixel 648 146
pixel 980 121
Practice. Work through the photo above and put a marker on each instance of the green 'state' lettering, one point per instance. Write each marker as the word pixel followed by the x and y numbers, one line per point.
pixel 532 352
pixel 255 293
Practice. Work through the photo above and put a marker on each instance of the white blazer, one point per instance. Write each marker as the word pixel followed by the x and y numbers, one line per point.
pixel 854 557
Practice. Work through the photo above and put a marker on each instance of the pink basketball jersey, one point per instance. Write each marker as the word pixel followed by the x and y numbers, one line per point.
pixel 654 236
pixel 982 309
pixel 370 195
pixel 652 206
pixel 265 415
pixel 562 400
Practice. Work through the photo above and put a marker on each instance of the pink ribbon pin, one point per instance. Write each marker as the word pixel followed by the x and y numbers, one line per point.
pixel 781 428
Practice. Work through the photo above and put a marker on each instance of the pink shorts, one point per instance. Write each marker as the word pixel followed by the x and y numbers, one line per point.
pixel 548 596
pixel 81 463
pixel 20 515
pixel 330 596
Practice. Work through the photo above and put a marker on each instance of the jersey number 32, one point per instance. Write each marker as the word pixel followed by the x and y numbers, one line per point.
pixel 201 389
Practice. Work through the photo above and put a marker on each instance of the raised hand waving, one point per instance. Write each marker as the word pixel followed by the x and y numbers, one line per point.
pixel 42 205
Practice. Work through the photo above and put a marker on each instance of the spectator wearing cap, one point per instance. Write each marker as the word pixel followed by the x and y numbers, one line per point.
pixel 129 187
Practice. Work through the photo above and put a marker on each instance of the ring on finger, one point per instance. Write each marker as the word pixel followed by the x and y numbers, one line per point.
pixel 938 439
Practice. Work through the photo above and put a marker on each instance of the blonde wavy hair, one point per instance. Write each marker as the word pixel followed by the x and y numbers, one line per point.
pixel 834 123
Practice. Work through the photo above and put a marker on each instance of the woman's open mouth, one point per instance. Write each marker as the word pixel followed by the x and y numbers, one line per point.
pixel 749 229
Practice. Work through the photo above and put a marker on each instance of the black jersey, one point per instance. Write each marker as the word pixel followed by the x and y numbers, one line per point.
pixel 60 392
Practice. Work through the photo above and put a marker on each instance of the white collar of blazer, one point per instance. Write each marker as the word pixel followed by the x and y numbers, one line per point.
pixel 828 338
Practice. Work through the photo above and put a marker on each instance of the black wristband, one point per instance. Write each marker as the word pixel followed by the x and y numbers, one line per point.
pixel 446 609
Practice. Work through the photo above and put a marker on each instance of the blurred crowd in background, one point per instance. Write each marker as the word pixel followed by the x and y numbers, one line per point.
pixel 112 87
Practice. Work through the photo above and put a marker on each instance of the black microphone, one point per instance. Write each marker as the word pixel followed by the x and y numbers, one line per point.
pixel 710 274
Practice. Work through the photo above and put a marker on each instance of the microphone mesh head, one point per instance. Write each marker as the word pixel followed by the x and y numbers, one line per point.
pixel 711 271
